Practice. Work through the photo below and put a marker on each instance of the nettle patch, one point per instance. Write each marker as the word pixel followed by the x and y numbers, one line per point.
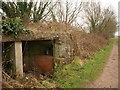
pixel 13 26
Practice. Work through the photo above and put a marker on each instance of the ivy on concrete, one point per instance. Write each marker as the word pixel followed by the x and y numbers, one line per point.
pixel 13 27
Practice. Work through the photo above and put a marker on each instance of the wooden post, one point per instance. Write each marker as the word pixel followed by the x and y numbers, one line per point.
pixel 18 59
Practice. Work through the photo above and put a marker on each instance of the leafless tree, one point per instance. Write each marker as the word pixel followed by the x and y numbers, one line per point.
pixel 99 19
pixel 27 10
pixel 66 11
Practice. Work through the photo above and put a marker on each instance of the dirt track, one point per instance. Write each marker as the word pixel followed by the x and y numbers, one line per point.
pixel 109 76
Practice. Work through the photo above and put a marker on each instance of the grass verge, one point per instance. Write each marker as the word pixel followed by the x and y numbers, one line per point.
pixel 76 76
pixel 118 44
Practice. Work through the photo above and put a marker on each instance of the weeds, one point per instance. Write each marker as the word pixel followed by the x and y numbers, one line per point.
pixel 76 76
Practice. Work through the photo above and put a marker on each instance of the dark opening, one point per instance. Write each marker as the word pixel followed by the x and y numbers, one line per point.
pixel 38 56
pixel 8 58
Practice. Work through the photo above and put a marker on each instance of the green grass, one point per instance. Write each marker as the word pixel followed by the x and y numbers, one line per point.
pixel 119 44
pixel 76 76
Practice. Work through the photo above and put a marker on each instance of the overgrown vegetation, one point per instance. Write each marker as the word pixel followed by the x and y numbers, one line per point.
pixel 76 75
pixel 99 21
pixel 13 26
pixel 28 81
pixel 96 19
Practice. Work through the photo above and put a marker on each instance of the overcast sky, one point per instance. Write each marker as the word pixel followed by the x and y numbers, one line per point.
pixel 113 3
pixel 105 3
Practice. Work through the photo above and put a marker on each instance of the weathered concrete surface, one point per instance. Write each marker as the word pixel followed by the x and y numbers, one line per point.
pixel 109 76
pixel 19 59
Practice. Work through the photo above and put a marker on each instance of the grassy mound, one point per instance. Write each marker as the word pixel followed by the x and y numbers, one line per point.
pixel 76 75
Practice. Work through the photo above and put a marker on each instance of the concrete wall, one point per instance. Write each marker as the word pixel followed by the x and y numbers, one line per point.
pixel 63 51
pixel 22 53
pixel 18 59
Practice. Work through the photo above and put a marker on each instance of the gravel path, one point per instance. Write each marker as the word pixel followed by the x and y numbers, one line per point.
pixel 109 76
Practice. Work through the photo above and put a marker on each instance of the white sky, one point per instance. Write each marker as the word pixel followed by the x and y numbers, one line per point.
pixel 113 3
